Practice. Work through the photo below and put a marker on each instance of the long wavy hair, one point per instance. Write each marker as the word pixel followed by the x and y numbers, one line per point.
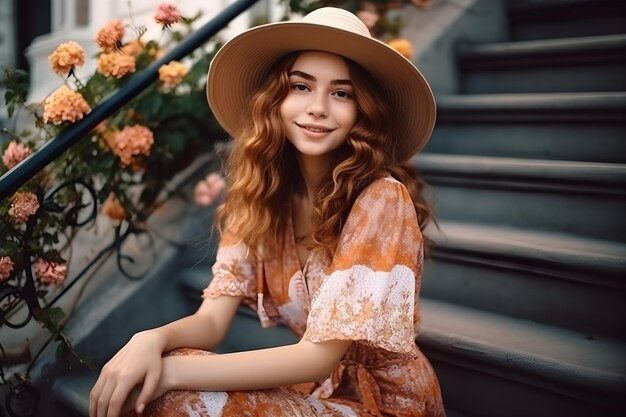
pixel 262 170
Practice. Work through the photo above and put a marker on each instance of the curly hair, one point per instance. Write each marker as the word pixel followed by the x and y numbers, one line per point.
pixel 262 170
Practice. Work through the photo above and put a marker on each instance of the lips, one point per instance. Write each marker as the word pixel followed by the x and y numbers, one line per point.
pixel 314 128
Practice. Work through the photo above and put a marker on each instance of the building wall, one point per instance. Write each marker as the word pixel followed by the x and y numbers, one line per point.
pixel 78 20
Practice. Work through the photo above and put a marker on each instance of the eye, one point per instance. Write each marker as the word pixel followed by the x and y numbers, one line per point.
pixel 343 94
pixel 299 87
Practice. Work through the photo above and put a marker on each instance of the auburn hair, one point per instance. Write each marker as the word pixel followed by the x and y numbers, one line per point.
pixel 262 170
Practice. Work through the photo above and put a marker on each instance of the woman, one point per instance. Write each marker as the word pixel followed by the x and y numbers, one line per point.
pixel 320 231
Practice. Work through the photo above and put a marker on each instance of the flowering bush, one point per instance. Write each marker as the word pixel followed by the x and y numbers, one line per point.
pixel 374 13
pixel 126 160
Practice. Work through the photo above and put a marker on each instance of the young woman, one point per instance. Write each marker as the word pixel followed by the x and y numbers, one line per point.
pixel 320 231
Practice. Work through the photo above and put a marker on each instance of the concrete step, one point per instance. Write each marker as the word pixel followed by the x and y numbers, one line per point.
pixel 541 19
pixel 594 63
pixel 488 364
pixel 523 274
pixel 557 126
pixel 491 365
pixel 581 198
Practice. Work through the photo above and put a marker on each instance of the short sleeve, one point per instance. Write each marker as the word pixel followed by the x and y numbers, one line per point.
pixel 233 273
pixel 370 290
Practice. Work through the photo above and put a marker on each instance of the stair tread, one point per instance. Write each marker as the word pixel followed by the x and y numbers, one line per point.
pixel 557 101
pixel 524 348
pixel 575 172
pixel 73 390
pixel 545 47
pixel 510 239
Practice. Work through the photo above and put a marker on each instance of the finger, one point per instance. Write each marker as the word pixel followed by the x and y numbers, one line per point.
pixel 102 402
pixel 147 391
pixel 118 397
pixel 94 394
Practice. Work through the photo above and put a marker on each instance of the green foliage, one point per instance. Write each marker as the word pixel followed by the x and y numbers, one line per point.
pixel 17 83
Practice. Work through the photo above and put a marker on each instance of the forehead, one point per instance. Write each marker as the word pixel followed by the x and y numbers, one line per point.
pixel 323 62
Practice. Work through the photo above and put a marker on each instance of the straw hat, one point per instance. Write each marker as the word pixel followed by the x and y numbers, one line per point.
pixel 241 65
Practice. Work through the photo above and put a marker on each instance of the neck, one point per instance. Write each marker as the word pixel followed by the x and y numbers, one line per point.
pixel 313 169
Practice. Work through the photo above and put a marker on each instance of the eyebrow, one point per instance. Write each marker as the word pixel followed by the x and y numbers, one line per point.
pixel 312 78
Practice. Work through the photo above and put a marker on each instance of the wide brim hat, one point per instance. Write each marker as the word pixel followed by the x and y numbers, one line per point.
pixel 242 64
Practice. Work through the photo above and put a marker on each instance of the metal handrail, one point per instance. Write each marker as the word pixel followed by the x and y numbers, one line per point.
pixel 11 181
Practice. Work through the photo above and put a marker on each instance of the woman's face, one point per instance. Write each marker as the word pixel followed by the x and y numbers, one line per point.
pixel 319 109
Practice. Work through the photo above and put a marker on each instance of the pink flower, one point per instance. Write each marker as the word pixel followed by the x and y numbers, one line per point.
pixel 6 268
pixel 422 4
pixel 50 272
pixel 167 14
pixel 24 205
pixel 15 153
pixel 369 17
pixel 208 190
pixel 131 142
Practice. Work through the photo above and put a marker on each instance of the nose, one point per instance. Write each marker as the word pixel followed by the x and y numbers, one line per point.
pixel 318 106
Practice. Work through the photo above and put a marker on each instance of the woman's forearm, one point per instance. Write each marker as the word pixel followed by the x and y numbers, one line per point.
pixel 202 330
pixel 258 369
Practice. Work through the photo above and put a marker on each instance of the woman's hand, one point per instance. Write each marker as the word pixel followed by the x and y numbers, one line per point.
pixel 134 372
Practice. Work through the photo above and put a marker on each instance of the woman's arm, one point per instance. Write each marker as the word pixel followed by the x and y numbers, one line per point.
pixel 204 329
pixel 265 368
pixel 139 362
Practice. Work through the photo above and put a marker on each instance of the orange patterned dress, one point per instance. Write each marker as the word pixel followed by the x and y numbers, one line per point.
pixel 366 292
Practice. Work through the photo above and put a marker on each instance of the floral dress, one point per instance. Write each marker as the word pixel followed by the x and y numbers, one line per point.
pixel 367 292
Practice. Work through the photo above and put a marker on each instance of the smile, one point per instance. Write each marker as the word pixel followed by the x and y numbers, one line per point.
pixel 314 129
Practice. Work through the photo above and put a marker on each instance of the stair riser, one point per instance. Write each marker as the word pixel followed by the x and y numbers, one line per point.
pixel 523 293
pixel 598 78
pixel 551 20
pixel 480 394
pixel 588 142
pixel 595 216
pixel 611 25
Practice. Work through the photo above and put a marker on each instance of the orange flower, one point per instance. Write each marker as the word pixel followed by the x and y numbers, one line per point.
pixel 131 142
pixel 67 56
pixel 50 272
pixel 15 153
pixel 402 46
pixel 116 64
pixel 110 36
pixel 24 205
pixel 133 48
pixel 64 105
pixel 172 74
pixel 113 208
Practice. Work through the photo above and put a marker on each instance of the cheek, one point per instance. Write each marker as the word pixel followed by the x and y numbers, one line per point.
pixel 286 108
pixel 351 115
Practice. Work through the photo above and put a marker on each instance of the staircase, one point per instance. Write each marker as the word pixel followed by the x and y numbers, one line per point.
pixel 524 294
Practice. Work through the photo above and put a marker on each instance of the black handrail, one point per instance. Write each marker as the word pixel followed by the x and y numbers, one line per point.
pixel 21 173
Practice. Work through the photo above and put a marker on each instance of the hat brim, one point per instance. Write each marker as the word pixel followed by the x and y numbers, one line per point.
pixel 241 65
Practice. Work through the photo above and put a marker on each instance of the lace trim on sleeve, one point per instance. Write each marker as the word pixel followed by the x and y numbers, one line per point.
pixel 359 304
